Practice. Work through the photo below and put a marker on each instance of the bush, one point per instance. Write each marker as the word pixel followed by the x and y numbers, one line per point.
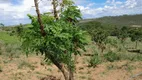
pixel 25 64
pixel 138 57
pixel 95 60
pixel 12 50
pixel 111 56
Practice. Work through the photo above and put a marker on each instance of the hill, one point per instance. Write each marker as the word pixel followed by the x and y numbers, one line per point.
pixel 124 20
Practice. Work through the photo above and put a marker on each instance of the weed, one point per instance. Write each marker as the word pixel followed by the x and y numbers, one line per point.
pixel 130 56
pixel 138 57
pixel 111 56
pixel 6 61
pixel 129 68
pixel 25 64
pixel 46 62
pixel 82 77
pixel 95 60
pixel 49 69
pixel 111 67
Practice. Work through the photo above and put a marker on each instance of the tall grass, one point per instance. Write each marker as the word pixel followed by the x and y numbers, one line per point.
pixel 9 45
pixel 7 39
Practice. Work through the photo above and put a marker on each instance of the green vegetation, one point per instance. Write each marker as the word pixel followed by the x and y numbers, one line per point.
pixel 25 64
pixel 58 39
pixel 124 20
pixel 95 60
pixel 6 38
pixel 111 56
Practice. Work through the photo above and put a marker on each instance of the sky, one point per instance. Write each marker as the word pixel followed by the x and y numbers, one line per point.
pixel 13 12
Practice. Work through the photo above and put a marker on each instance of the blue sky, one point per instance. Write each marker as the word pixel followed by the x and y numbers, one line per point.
pixel 16 2
pixel 13 12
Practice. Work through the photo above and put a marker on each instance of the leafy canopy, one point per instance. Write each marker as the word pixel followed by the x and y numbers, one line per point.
pixel 62 38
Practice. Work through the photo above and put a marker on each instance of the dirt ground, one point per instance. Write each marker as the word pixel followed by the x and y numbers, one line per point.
pixel 34 68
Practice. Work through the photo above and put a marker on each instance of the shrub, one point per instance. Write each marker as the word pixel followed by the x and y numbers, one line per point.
pixel 111 56
pixel 95 60
pixel 138 57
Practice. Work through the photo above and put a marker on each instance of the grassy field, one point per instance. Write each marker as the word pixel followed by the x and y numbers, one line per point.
pixel 6 38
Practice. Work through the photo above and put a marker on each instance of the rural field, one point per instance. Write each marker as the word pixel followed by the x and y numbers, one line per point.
pixel 15 65
pixel 70 40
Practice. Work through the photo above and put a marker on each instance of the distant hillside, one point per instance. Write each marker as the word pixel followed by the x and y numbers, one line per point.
pixel 125 20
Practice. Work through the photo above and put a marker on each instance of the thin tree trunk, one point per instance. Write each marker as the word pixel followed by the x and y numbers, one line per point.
pixel 71 75
pixel 136 45
pixel 61 67
pixel 54 3
pixel 39 18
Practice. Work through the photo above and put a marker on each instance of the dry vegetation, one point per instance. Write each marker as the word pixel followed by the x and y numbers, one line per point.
pixel 33 67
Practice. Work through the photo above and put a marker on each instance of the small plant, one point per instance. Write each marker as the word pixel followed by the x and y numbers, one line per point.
pixel 82 77
pixel 25 64
pixel 46 62
pixel 49 69
pixel 111 67
pixel 138 57
pixel 131 57
pixel 95 60
pixel 111 56
pixel 129 68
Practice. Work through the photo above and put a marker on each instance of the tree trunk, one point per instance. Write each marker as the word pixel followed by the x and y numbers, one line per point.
pixel 39 18
pixel 136 45
pixel 71 75
pixel 68 75
pixel 54 3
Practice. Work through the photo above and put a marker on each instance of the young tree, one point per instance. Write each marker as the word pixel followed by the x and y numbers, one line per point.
pixel 19 29
pixel 100 36
pixel 56 39
pixel 136 35
pixel 97 32
pixel 121 33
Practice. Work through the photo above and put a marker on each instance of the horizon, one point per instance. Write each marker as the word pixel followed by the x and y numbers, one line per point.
pixel 14 12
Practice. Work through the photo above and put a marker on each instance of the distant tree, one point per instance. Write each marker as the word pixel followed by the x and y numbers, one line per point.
pixel 1 25
pixel 136 35
pixel 121 33
pixel 100 36
pixel 19 29
pixel 98 33
pixel 90 26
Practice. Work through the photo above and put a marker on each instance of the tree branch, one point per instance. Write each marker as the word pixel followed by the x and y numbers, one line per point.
pixel 39 18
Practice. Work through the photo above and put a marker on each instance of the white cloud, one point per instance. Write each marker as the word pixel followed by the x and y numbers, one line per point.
pixel 15 14
pixel 130 4
pixel 113 8
pixel 18 13
pixel 90 4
